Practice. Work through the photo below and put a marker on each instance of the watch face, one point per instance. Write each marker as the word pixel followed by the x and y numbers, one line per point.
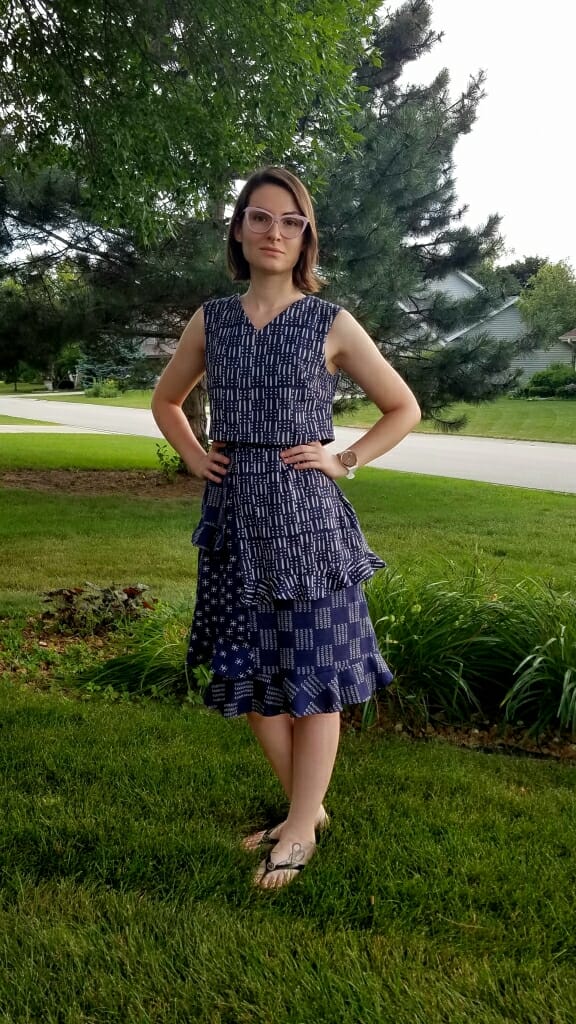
pixel 348 459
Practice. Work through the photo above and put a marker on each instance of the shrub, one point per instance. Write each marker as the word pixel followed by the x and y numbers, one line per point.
pixel 104 389
pixel 551 381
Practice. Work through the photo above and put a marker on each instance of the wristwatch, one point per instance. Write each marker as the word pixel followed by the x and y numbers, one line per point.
pixel 349 460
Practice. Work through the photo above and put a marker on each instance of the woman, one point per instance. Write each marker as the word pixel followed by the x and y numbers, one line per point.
pixel 280 614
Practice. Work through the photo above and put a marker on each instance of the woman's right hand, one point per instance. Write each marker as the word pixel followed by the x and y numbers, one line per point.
pixel 213 465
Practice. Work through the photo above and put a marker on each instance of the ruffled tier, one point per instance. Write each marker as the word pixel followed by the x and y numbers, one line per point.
pixel 319 692
pixel 297 539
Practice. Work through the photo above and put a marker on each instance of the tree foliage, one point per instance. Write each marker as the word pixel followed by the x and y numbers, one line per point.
pixel 391 225
pixel 156 107
pixel 548 303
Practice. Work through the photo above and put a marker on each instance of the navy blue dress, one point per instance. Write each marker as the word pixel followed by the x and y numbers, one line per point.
pixel 280 619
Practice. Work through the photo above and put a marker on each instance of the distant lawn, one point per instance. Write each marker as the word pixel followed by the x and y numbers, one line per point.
pixel 127 400
pixel 13 421
pixel 518 419
pixel 414 522
pixel 78 451
pixel 22 389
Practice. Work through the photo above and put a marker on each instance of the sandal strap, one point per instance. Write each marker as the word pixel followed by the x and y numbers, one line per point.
pixel 270 866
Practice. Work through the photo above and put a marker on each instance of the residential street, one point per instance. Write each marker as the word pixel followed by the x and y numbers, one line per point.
pixel 537 464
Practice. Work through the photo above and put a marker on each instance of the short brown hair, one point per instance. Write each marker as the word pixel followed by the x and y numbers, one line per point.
pixel 304 274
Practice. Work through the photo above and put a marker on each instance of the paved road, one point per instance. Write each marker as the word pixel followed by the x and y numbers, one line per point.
pixel 536 464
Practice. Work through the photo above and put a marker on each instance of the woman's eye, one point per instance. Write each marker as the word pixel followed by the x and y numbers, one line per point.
pixel 290 222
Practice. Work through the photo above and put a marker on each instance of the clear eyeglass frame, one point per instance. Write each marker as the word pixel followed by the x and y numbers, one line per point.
pixel 290 225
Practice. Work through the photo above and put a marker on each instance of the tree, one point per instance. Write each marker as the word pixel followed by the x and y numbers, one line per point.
pixel 391 225
pixel 548 303
pixel 156 107
pixel 39 315
pixel 524 269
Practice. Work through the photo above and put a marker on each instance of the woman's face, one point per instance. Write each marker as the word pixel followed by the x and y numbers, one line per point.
pixel 269 251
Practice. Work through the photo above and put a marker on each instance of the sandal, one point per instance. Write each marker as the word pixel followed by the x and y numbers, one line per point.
pixel 270 867
pixel 267 840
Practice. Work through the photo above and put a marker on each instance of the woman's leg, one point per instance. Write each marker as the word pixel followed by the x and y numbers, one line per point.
pixel 315 744
pixel 275 735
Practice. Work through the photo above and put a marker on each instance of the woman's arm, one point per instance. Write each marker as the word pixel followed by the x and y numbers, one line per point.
pixel 353 351
pixel 182 373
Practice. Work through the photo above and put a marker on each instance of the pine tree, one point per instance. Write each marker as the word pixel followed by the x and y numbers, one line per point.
pixel 391 226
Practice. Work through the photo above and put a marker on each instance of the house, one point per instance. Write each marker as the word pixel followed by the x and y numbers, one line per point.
pixel 504 323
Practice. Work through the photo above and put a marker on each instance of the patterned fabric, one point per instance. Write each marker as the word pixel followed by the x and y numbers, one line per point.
pixel 297 657
pixel 270 385
pixel 280 618
pixel 297 534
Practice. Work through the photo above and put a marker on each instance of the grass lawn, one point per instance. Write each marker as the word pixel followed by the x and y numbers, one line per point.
pixel 442 893
pixel 78 451
pixel 128 400
pixel 13 421
pixel 22 389
pixel 520 419
pixel 413 521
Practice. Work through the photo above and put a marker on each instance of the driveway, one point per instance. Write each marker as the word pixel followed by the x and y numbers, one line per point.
pixel 537 464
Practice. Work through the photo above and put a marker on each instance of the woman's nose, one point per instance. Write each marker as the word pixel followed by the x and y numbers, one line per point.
pixel 274 230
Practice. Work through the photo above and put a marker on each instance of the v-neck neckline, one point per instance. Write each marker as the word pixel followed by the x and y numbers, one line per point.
pixel 258 330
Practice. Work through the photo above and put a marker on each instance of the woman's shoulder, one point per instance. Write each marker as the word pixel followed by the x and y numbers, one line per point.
pixel 220 302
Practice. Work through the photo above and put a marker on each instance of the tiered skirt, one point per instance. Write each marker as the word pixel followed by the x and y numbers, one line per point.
pixel 281 619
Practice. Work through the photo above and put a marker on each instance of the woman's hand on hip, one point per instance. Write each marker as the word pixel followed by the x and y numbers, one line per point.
pixel 213 465
pixel 313 456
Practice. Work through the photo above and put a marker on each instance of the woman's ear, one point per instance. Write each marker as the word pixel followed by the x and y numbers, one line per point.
pixel 237 232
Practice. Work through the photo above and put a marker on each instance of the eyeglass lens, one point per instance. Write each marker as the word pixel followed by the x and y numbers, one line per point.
pixel 261 220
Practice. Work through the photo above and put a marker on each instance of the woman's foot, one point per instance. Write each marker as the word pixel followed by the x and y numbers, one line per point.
pixel 271 836
pixel 284 863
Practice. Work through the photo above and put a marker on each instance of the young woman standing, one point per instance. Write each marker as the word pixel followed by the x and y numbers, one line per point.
pixel 280 616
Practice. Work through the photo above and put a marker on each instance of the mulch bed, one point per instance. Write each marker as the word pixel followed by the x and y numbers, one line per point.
pixel 132 483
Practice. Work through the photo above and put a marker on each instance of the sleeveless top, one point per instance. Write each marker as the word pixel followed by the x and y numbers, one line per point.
pixel 272 384
pixel 294 532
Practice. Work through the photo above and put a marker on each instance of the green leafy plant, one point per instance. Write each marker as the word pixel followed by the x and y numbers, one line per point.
pixel 555 381
pixel 170 462
pixel 103 389
pixel 90 609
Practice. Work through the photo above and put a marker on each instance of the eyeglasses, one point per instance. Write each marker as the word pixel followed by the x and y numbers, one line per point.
pixel 291 225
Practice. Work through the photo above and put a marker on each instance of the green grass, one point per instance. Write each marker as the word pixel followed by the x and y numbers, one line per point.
pixel 12 421
pixel 442 894
pixel 520 419
pixel 78 451
pixel 22 388
pixel 129 399
pixel 50 540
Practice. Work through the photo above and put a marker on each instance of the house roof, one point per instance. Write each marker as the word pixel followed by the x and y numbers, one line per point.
pixel 470 327
pixel 570 337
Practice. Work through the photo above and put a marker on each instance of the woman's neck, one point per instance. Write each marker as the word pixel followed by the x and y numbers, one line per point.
pixel 267 293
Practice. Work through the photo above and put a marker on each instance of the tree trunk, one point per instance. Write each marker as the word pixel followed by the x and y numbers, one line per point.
pixel 194 408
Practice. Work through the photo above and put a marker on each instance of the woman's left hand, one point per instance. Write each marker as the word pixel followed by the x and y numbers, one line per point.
pixel 313 456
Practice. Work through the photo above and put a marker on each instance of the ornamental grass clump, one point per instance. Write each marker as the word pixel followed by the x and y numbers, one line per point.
pixel 154 664
pixel 541 635
pixel 442 639
pixel 460 651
